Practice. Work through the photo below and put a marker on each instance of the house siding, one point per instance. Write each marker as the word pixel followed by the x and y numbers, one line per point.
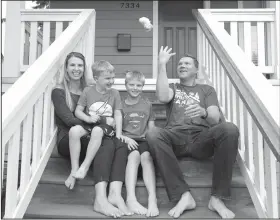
pixel 112 19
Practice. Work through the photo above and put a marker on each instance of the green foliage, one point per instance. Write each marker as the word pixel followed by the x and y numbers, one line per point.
pixel 41 4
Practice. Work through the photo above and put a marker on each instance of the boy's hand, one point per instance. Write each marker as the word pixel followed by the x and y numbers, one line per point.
pixel 93 118
pixel 131 144
pixel 122 138
pixel 164 55
pixel 111 121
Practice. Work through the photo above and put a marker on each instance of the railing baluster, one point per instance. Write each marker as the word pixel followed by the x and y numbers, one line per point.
pixel 36 151
pixel 258 161
pixel 261 47
pixel 241 127
pixel 219 80
pixel 214 71
pixel 207 58
pixel 249 152
pixel 58 29
pixel 22 42
pixel 46 35
pixel 271 182
pixel 33 43
pixel 12 174
pixel 26 152
pixel 228 98
pixel 46 117
pixel 223 88
pixel 233 31
pixel 248 40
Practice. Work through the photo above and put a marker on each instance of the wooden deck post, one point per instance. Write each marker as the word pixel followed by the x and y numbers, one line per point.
pixel 12 39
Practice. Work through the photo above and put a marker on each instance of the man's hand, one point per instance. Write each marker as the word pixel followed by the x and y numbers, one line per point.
pixel 164 55
pixel 194 110
pixel 93 118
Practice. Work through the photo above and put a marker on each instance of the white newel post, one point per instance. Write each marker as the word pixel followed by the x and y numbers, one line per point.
pixel 12 39
pixel 277 31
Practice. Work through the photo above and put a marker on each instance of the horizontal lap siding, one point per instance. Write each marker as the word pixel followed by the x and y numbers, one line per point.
pixel 111 20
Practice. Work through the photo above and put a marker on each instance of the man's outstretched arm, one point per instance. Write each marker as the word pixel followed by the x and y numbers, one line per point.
pixel 163 92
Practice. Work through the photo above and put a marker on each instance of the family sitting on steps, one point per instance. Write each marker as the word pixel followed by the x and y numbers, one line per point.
pixel 113 136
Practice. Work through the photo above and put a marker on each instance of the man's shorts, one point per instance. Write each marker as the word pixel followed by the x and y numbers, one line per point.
pixel 143 146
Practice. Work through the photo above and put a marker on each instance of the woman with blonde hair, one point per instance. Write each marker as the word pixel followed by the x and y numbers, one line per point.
pixel 110 161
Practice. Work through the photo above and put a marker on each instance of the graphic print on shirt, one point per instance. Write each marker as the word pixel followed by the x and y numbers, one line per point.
pixel 183 100
pixel 134 119
pixel 101 108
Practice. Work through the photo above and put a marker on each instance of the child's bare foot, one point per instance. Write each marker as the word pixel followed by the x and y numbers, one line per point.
pixel 216 204
pixel 82 172
pixel 119 202
pixel 136 207
pixel 70 181
pixel 152 208
pixel 104 207
pixel 185 203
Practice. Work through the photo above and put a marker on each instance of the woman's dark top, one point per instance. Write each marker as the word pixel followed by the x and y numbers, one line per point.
pixel 64 118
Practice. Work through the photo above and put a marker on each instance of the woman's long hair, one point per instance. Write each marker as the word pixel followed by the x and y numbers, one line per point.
pixel 64 80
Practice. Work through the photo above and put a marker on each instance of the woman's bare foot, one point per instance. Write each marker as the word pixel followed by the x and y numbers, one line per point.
pixel 216 204
pixel 152 208
pixel 119 202
pixel 104 207
pixel 185 203
pixel 70 181
pixel 82 172
pixel 136 207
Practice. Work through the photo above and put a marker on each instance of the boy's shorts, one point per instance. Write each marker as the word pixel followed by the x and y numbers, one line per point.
pixel 143 146
pixel 107 130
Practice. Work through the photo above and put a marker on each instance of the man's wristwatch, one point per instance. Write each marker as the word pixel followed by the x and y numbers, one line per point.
pixel 206 114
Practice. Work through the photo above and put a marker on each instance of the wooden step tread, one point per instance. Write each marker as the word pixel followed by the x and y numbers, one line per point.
pixel 40 208
pixel 197 173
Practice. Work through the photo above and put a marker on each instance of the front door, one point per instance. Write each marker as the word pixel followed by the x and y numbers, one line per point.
pixel 181 37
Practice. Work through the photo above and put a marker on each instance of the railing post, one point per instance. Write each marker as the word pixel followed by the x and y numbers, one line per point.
pixel 200 52
pixel 277 32
pixel 12 39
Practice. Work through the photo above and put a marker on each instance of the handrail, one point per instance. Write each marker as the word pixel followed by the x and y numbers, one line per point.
pixel 28 114
pixel 233 61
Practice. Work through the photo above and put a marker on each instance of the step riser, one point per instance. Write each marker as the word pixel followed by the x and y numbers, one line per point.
pixel 83 195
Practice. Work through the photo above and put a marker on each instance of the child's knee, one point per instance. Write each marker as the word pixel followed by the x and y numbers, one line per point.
pixel 97 132
pixel 134 157
pixel 76 131
pixel 146 157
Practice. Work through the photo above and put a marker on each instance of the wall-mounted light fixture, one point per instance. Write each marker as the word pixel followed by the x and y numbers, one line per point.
pixel 123 42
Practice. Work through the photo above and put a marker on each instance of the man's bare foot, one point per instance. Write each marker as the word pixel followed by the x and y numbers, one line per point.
pixel 104 207
pixel 216 204
pixel 119 202
pixel 70 181
pixel 152 208
pixel 136 207
pixel 81 173
pixel 185 203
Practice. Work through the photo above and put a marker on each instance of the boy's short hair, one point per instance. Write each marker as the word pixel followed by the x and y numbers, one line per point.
pixel 101 66
pixel 130 75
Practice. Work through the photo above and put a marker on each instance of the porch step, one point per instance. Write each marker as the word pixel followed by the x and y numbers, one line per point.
pixel 53 200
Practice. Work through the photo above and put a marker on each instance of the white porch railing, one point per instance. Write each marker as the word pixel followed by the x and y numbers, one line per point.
pixel 28 128
pixel 247 99
pixel 255 32
pixel 52 23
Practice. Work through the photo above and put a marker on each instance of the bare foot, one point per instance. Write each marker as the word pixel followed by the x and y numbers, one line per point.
pixel 70 181
pixel 136 207
pixel 216 204
pixel 81 173
pixel 119 202
pixel 185 203
pixel 152 208
pixel 104 207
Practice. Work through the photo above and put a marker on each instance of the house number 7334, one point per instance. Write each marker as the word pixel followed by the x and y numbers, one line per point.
pixel 130 5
